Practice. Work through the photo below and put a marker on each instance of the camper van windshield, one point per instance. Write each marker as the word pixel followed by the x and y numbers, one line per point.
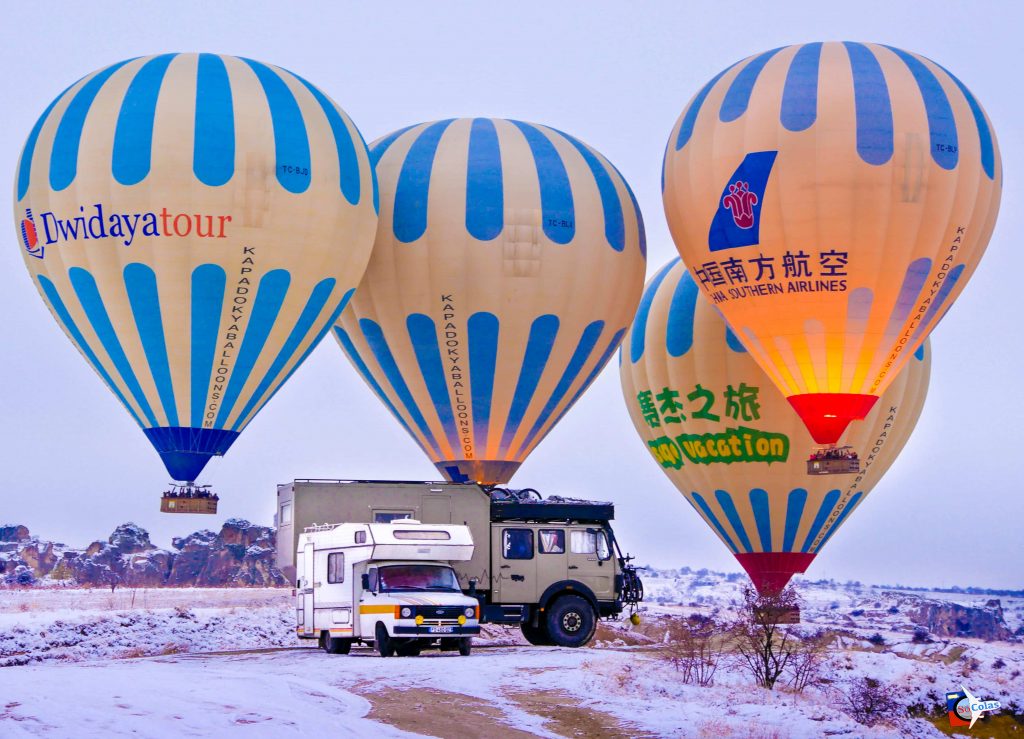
pixel 394 578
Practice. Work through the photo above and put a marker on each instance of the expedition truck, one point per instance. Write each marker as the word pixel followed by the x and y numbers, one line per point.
pixel 385 584
pixel 553 567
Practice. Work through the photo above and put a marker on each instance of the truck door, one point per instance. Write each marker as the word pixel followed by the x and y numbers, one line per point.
pixel 304 573
pixel 590 560
pixel 514 564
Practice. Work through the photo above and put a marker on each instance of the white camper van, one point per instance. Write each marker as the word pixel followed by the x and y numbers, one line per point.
pixel 385 584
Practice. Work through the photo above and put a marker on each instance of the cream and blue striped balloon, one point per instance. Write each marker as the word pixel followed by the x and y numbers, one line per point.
pixel 731 444
pixel 509 260
pixel 195 223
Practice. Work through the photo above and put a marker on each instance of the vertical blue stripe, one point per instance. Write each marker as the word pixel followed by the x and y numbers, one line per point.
pixel 557 210
pixel 412 192
pixel 423 335
pixel 269 297
pixel 736 99
pixel 378 149
pixel 988 156
pixel 353 355
pixel 690 118
pixel 840 518
pixel 614 227
pixel 207 305
pixel 733 340
pixel 762 517
pixel 794 514
pixel 144 298
pixel 800 94
pixel 64 154
pixel 827 504
pixel 725 500
pixel 485 197
pixel 641 231
pixel 941 122
pixel 919 354
pixel 582 353
pixel 133 136
pixel 713 519
pixel 303 326
pixel 25 165
pixel 291 144
pixel 681 313
pixel 314 343
pixel 381 350
pixel 92 303
pixel 638 338
pixel 483 353
pixel 543 332
pixel 213 150
pixel 69 325
pixel 929 321
pixel 872 104
pixel 601 362
pixel 348 161
pixel 913 280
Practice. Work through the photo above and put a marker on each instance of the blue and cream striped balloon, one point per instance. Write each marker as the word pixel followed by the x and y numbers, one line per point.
pixel 195 223
pixel 731 444
pixel 509 259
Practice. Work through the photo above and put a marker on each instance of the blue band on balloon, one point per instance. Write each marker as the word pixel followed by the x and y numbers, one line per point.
pixel 558 213
pixel 872 105
pixel 348 162
pixel 483 330
pixel 713 520
pixel 213 149
pixel 614 226
pixel 543 332
pixel 681 313
pixel 725 501
pixel 827 505
pixel 941 121
pixel 412 192
pixel 291 142
pixel 762 517
pixel 800 94
pixel 795 503
pixel 144 298
pixel 839 519
pixel 423 335
pixel 613 344
pixel 988 157
pixel 736 99
pixel 208 281
pixel 133 136
pixel 485 199
pixel 638 338
pixel 185 451
pixel 690 117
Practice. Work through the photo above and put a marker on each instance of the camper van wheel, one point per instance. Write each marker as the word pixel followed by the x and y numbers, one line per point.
pixel 537 635
pixel 385 644
pixel 465 645
pixel 571 621
pixel 333 645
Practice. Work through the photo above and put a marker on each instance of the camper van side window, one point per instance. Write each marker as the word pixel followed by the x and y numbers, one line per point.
pixel 336 567
pixel 551 541
pixel 372 575
pixel 517 543
pixel 422 535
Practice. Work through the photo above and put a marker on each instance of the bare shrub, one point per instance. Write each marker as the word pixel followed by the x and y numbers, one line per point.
pixel 810 664
pixel 765 645
pixel 695 649
pixel 869 701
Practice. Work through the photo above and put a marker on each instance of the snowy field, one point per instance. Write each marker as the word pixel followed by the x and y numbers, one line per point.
pixel 197 662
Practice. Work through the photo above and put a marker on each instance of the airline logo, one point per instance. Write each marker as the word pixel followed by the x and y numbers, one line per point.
pixel 97 223
pixel 737 222
pixel 964 709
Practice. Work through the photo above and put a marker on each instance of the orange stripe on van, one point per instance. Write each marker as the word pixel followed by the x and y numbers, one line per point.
pixel 376 609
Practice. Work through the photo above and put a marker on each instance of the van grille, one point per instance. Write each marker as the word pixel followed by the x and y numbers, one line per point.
pixel 439 612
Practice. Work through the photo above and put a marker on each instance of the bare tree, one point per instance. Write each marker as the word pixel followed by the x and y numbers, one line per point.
pixel 765 645
pixel 869 701
pixel 809 664
pixel 695 649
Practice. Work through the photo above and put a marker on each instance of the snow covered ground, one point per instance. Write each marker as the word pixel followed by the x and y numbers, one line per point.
pixel 145 663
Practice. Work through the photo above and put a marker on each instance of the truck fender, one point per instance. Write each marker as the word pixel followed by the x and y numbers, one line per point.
pixel 567 586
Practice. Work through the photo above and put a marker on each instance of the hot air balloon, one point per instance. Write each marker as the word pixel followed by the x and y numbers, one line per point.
pixel 508 262
pixel 832 199
pixel 732 445
pixel 195 223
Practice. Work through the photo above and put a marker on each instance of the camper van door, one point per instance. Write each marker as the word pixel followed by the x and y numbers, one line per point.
pixel 306 585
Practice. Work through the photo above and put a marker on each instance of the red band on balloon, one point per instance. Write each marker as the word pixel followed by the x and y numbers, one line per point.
pixel 826 415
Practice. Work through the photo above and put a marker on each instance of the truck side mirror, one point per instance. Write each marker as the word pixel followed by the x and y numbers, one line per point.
pixel 366 581
pixel 472 587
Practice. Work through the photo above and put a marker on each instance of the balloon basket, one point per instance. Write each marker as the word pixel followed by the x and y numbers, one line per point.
pixel 189 498
pixel 833 461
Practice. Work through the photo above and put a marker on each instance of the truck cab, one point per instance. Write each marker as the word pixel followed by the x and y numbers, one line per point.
pixel 389 585
pixel 552 567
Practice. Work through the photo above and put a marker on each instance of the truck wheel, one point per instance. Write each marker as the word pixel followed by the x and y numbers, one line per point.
pixel 385 644
pixel 537 635
pixel 465 645
pixel 334 645
pixel 571 621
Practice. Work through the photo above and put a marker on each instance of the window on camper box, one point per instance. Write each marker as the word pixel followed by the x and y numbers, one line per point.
pixel 551 541
pixel 422 535
pixel 517 543
pixel 389 516
pixel 336 567
pixel 286 513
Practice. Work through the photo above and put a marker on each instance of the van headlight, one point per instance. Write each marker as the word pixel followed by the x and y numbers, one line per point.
pixel 470 612
pixel 406 612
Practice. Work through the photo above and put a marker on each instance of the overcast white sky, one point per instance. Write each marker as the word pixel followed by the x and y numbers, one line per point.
pixel 616 75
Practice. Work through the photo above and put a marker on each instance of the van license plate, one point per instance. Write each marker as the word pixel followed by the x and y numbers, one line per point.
pixel 440 629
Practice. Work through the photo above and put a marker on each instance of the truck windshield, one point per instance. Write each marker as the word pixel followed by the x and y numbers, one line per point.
pixel 395 578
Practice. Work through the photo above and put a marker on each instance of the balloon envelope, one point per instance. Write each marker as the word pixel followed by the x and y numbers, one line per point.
pixel 832 200
pixel 195 223
pixel 733 446
pixel 508 262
